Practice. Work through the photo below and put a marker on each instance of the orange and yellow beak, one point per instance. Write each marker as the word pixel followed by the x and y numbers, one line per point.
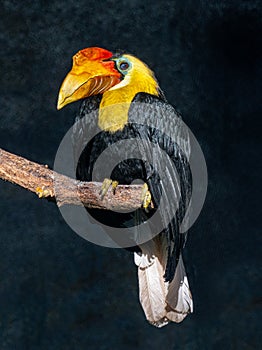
pixel 92 73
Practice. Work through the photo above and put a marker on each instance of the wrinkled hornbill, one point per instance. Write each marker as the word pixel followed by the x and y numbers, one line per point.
pixel 123 101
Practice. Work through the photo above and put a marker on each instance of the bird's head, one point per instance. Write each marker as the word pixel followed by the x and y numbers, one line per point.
pixel 96 71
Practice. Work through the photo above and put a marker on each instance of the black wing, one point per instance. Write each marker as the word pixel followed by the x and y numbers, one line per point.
pixel 158 130
pixel 161 119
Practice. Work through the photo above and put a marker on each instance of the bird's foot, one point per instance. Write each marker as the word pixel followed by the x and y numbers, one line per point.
pixel 105 187
pixel 44 192
pixel 146 198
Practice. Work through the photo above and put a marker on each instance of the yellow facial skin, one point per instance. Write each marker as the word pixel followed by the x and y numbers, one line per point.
pixel 113 112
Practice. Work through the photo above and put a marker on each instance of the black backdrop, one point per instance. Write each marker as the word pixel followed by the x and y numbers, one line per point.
pixel 58 291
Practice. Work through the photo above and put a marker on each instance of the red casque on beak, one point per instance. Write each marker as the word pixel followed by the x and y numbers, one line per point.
pixel 91 74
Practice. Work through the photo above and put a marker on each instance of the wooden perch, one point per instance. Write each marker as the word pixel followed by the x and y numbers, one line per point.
pixel 48 183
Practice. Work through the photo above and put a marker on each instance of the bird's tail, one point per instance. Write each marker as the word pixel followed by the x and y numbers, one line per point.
pixel 162 302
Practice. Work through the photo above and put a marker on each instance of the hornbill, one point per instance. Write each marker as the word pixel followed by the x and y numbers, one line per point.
pixel 123 101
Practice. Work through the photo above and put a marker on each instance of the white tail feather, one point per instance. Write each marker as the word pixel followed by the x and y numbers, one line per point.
pixel 152 291
pixel 179 299
pixel 162 302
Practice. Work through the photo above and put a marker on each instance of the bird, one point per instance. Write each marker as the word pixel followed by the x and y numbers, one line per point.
pixel 122 101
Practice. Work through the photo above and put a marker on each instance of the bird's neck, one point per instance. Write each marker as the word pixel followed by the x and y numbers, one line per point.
pixel 115 103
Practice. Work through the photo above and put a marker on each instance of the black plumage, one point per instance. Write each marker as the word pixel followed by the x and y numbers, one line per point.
pixel 157 116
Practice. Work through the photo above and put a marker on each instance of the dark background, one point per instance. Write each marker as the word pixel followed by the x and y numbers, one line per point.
pixel 58 291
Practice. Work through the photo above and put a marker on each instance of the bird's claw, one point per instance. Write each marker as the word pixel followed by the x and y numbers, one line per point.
pixel 146 197
pixel 114 186
pixel 43 192
pixel 105 187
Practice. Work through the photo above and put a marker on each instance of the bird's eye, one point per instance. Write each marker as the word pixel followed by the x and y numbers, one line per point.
pixel 123 65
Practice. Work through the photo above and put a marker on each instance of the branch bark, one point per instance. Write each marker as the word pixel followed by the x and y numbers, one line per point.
pixel 50 184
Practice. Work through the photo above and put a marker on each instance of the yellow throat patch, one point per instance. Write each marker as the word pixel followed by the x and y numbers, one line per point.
pixel 115 103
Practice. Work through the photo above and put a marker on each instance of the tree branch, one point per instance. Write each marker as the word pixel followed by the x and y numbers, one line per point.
pixel 48 183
